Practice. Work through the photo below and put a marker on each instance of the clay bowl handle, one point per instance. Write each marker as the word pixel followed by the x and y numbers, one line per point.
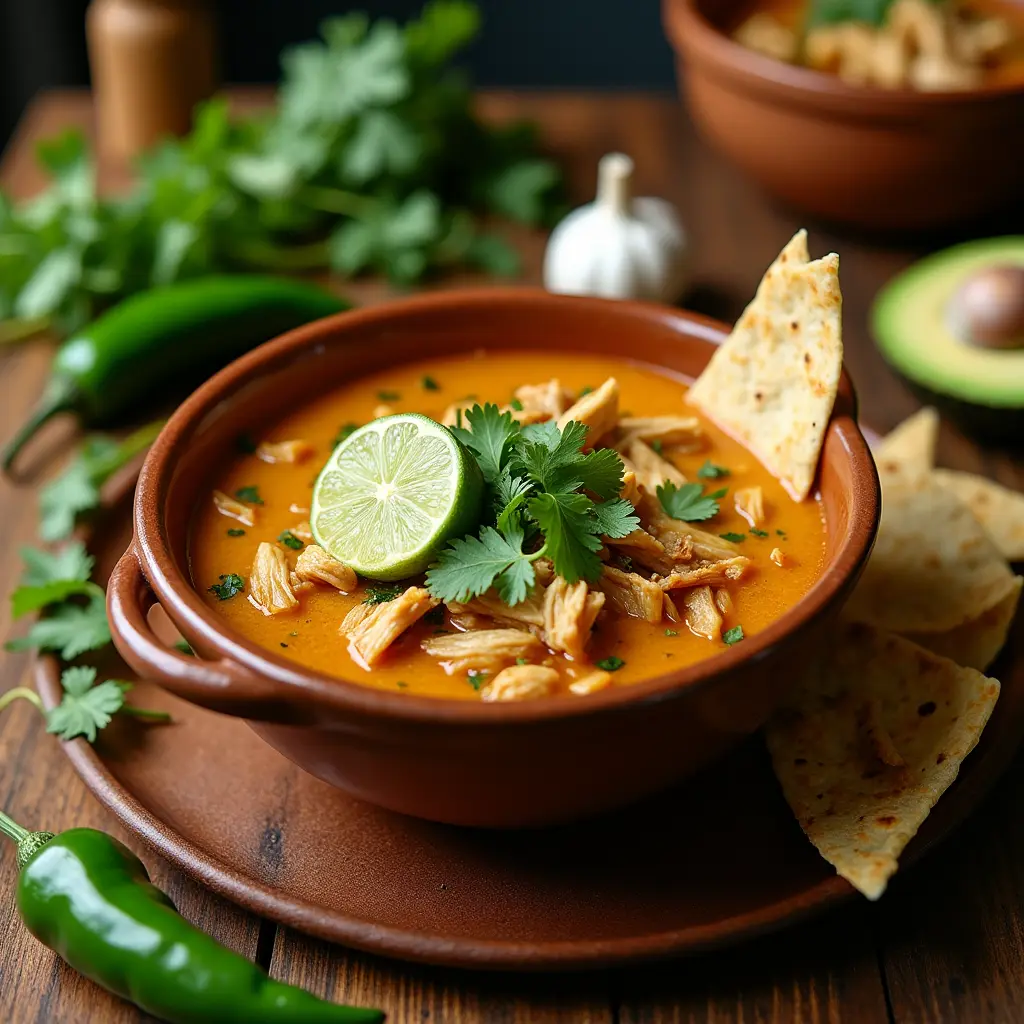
pixel 222 685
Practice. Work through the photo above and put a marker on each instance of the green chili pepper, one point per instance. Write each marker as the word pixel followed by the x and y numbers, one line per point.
pixel 89 898
pixel 167 337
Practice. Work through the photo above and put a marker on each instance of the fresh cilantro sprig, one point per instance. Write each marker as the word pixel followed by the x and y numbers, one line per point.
pixel 86 706
pixel 548 498
pixel 689 502
pixel 373 160
pixel 77 490
pixel 54 582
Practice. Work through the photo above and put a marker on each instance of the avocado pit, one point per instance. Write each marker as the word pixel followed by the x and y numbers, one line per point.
pixel 987 310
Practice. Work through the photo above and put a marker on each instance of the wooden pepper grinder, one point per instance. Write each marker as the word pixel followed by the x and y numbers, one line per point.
pixel 151 62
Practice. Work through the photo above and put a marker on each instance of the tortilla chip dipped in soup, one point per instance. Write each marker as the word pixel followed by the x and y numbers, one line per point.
pixel 505 526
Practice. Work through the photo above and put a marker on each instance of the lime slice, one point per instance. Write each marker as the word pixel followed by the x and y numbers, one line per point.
pixel 393 493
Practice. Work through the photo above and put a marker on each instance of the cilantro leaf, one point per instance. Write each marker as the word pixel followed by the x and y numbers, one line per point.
pixel 510 492
pixel 85 708
pixel 444 27
pixel 77 489
pixel 616 518
pixel 552 457
pixel 69 629
pixel 381 595
pixel 490 435
pixel 600 472
pixel 733 538
pixel 289 540
pixel 610 664
pixel 31 599
pixel 470 566
pixel 522 191
pixel 72 562
pixel 688 502
pixel 570 533
pixel 250 495
pixel 382 144
pixel 733 636
pixel 429 384
pixel 709 471
pixel 758 533
pixel 231 584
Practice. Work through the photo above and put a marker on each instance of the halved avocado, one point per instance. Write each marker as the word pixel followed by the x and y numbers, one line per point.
pixel 922 322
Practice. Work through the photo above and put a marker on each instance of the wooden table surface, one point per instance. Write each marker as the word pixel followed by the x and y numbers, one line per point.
pixel 945 945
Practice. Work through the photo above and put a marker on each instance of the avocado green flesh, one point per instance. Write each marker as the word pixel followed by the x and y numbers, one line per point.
pixel 910 324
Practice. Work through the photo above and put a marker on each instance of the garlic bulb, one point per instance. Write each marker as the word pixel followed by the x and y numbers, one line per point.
pixel 617 246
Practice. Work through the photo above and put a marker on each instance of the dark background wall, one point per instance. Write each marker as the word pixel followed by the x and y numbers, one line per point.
pixel 585 43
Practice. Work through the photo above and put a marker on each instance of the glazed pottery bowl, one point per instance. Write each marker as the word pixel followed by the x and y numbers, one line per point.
pixel 884 160
pixel 465 762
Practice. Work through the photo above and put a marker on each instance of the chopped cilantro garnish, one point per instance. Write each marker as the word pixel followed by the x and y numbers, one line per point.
pixel 781 533
pixel 388 396
pixel 289 540
pixel 250 495
pixel 283 644
pixel 245 444
pixel 381 595
pixel 343 433
pixel 671 632
pixel 429 384
pixel 758 533
pixel 522 661
pixel 585 390
pixel 734 538
pixel 733 636
pixel 236 532
pixel 230 585
pixel 476 679
pixel 688 503
pixel 516 404
pixel 611 664
pixel 537 475
pixel 709 471
pixel 656 445
pixel 183 646
pixel 401 685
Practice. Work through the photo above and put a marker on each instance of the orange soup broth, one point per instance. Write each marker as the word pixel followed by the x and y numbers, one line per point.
pixel 309 634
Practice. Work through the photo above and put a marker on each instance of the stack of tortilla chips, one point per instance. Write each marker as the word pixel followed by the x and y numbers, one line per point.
pixel 876 728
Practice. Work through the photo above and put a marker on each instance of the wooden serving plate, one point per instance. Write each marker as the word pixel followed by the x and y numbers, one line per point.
pixel 713 862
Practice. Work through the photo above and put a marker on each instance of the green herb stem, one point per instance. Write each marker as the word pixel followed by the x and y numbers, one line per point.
pixel 10 828
pixel 19 329
pixel 22 693
pixel 337 200
pixel 146 713
pixel 263 255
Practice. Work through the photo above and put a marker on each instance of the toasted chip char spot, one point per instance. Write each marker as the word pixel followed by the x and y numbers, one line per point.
pixel 269 581
pixel 370 635
pixel 520 682
pixel 234 509
pixel 292 451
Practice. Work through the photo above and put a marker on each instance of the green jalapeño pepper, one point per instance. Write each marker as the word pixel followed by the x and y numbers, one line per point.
pixel 167 338
pixel 89 898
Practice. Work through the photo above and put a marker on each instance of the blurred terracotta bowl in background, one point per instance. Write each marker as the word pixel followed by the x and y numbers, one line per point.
pixel 885 160
pixel 470 763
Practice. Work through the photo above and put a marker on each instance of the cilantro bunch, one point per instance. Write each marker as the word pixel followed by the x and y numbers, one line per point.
pixel 73 622
pixel 547 498
pixel 373 160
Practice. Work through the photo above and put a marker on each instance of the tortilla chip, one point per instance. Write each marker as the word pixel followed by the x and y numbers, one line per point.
pixel 977 642
pixel 773 382
pixel 910 446
pixel 933 567
pixel 998 509
pixel 871 737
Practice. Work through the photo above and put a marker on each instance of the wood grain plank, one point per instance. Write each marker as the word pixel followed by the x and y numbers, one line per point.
pixel 411 993
pixel 825 972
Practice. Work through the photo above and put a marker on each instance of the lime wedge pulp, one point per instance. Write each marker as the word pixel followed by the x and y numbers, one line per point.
pixel 393 493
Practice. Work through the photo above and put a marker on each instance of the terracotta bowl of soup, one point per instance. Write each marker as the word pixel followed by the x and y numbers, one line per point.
pixel 403 742
pixel 884 160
